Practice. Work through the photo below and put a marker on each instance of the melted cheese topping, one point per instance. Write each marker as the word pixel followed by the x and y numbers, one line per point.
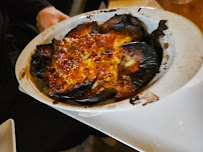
pixel 93 58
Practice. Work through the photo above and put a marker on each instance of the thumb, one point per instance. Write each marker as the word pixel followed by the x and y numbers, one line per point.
pixel 63 17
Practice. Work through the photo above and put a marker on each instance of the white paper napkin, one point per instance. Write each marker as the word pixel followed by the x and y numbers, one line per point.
pixel 7 136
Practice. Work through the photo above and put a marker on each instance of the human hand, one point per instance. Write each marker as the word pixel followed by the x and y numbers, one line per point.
pixel 48 17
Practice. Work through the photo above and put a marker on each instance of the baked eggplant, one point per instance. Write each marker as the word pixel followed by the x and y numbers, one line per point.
pixel 103 95
pixel 148 63
pixel 125 25
pixel 40 60
pixel 95 62
pixel 153 39
pixel 76 92
pixel 83 29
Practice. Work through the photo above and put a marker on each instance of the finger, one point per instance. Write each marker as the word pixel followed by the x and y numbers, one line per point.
pixel 51 23
pixel 63 16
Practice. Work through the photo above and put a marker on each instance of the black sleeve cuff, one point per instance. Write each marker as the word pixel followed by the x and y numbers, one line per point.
pixel 27 9
pixel 33 8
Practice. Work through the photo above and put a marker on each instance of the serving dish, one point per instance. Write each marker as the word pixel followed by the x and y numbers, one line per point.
pixel 178 66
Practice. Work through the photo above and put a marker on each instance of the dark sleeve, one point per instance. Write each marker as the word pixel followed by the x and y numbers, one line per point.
pixel 26 9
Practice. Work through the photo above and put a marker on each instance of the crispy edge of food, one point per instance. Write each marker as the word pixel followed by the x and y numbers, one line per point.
pixel 85 28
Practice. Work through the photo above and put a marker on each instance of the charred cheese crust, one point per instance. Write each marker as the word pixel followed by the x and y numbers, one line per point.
pixel 86 56
pixel 93 58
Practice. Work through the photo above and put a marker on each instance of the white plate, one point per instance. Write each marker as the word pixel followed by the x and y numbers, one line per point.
pixel 7 136
pixel 182 59
pixel 172 125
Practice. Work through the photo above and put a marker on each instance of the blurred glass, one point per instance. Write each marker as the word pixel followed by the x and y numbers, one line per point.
pixel 181 1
